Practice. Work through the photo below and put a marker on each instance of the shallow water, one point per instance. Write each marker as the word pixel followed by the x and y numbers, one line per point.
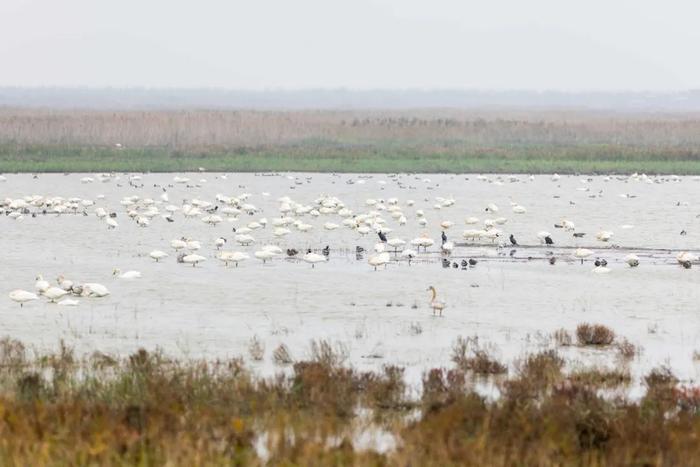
pixel 509 302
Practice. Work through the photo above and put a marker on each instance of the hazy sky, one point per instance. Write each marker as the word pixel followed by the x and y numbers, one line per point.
pixel 256 44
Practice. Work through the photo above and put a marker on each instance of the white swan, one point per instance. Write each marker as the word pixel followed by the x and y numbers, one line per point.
pixel 396 243
pixel 632 260
pixel 435 304
pixel 381 259
pixel 22 296
pixel 422 241
pixel 604 235
pixel 313 258
pixel 447 247
pixel 232 257
pixel 582 253
pixel 244 240
pixel 41 285
pixel 127 274
pixel 193 259
pixel 93 289
pixel 264 255
pixel 178 244
pixel 54 293
pixel 158 255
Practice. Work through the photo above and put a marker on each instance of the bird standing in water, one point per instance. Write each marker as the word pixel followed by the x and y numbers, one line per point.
pixel 435 304
pixel 513 241
pixel 444 237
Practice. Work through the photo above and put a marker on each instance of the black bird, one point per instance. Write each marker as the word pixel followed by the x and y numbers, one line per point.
pixel 472 262
pixel 579 234
pixel 326 251
pixel 686 264
pixel 513 241
pixel 548 240
pixel 455 265
pixel 292 252
pixel 169 219
pixel 359 249
pixel 445 263
pixel 552 260
pixel 683 232
pixel 444 237
pixel 308 251
pixel 603 262
pixel 112 215
pixel 512 253
pixel 382 236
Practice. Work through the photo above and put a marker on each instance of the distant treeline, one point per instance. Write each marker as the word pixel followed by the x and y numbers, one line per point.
pixel 212 98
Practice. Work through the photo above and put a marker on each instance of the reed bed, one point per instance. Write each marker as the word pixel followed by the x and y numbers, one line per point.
pixel 147 409
pixel 361 141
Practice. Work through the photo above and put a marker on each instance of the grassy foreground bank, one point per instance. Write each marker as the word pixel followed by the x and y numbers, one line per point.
pixel 146 409
pixel 526 159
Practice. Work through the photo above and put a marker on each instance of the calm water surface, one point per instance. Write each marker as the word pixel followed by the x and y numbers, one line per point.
pixel 509 302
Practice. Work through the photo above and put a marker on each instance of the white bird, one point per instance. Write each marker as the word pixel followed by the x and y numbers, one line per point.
pixel 381 259
pixel 313 258
pixel 396 243
pixel 193 259
pixel 232 257
pixel 127 274
pixel 582 253
pixel 158 255
pixel 111 223
pixel 632 260
pixel 447 247
pixel 93 289
pixel 178 244
pixel 22 296
pixel 264 255
pixel 604 235
pixel 41 285
pixel 273 249
pixel 435 304
pixel 64 283
pixel 422 241
pixel 219 242
pixel 244 239
pixel 54 293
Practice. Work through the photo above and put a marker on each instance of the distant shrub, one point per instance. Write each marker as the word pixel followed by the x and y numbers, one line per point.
pixel 626 349
pixel 256 349
pixel 594 334
pixel 562 337
pixel 281 355
pixel 326 354
pixel 475 359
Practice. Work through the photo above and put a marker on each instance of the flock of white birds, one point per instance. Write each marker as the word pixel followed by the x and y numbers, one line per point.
pixel 378 218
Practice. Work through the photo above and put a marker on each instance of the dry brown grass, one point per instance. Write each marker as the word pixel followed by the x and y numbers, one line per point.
pixel 147 409
pixel 594 334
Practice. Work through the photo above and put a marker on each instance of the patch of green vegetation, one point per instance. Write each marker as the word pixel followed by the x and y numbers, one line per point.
pixel 324 156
